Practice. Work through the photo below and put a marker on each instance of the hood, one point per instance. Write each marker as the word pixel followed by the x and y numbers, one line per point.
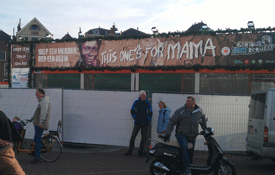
pixel 167 108
pixel 47 98
pixel 4 145
pixel 196 107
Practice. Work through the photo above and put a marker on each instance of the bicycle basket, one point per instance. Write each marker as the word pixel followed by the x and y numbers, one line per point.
pixel 53 132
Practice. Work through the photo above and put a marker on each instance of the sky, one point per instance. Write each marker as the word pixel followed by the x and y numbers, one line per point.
pixel 67 16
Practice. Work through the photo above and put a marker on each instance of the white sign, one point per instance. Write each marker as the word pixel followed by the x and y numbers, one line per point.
pixel 20 77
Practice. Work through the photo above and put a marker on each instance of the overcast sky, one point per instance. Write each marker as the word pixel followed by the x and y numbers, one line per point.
pixel 62 16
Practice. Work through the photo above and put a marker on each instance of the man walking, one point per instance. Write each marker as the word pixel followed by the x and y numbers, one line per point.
pixel 40 120
pixel 141 112
pixel 187 119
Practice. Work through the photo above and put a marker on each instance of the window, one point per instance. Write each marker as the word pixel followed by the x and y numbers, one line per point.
pixel 96 32
pixel 2 56
pixel 66 81
pixel 112 81
pixel 6 69
pixel 34 27
pixel 34 39
pixel 167 82
pixel 224 83
pixel 257 106
pixel 262 81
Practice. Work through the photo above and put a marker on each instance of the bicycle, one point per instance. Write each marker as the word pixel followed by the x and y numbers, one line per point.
pixel 51 147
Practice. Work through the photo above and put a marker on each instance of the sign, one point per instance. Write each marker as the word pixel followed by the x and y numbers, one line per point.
pixel 223 50
pixel 20 77
pixel 56 54
pixel 20 56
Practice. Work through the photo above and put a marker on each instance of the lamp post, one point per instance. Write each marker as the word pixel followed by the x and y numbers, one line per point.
pixel 80 34
pixel 250 25
pixel 154 30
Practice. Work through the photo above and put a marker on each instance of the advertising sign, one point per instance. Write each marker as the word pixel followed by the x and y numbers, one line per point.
pixel 224 50
pixel 20 56
pixel 20 77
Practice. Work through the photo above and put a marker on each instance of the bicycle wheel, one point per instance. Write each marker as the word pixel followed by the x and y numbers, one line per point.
pixel 51 148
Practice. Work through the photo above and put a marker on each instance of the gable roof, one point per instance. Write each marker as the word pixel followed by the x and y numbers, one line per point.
pixel 32 22
pixel 101 31
pixel 132 32
pixel 67 36
pixel 197 27
pixel 4 36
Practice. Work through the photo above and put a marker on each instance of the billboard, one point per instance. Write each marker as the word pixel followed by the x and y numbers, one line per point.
pixel 20 55
pixel 208 50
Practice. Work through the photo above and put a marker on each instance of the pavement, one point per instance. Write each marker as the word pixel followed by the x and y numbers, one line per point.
pixel 110 160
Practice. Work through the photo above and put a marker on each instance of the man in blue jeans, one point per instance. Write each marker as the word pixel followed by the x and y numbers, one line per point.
pixel 40 120
pixel 187 119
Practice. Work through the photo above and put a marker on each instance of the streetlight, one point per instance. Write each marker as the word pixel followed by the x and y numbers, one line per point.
pixel 80 34
pixel 155 30
pixel 250 24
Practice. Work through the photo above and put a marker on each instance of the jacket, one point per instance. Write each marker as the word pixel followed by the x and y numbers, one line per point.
pixel 164 115
pixel 7 129
pixel 41 115
pixel 141 112
pixel 8 163
pixel 187 122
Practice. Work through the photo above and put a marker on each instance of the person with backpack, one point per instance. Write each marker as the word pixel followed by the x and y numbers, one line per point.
pixel 7 129
pixel 163 119
pixel 8 161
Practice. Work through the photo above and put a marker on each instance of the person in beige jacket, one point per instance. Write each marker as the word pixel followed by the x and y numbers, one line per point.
pixel 40 120
pixel 8 163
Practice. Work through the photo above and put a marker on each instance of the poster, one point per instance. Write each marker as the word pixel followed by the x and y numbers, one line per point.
pixel 20 55
pixel 207 50
pixel 20 77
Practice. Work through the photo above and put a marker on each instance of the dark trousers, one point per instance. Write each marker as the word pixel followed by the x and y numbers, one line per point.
pixel 144 137
pixel 187 154
pixel 37 140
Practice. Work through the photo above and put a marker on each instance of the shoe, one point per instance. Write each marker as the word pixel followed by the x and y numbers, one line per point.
pixel 145 154
pixel 35 161
pixel 188 171
pixel 128 153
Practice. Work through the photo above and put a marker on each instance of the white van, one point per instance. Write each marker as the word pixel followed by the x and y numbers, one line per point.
pixel 261 124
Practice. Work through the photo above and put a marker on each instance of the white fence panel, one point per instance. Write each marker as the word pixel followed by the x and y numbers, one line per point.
pixel 228 115
pixel 103 117
pixel 23 102
pixel 98 117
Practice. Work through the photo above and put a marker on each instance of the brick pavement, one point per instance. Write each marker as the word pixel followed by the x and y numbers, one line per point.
pixel 112 161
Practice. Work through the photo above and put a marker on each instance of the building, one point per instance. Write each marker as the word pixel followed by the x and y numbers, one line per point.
pixel 4 50
pixel 198 27
pixel 132 32
pixel 228 63
pixel 33 31
pixel 67 37
pixel 100 32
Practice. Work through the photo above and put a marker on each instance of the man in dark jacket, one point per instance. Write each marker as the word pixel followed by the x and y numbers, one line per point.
pixel 7 130
pixel 141 112
pixel 187 119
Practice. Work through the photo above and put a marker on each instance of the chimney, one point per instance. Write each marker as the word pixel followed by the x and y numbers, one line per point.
pixel 19 25
pixel 13 37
